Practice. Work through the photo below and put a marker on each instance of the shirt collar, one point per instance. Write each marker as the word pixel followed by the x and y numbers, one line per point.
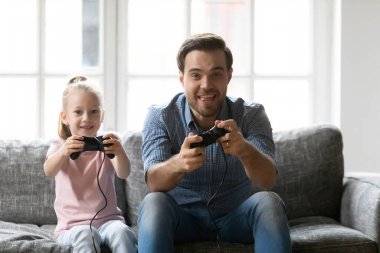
pixel 190 122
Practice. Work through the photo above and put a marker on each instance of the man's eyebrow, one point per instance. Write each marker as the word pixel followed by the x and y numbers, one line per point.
pixel 213 69
pixel 194 69
pixel 218 68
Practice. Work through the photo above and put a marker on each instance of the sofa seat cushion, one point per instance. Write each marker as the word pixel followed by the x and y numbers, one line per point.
pixel 212 247
pixel 315 234
pixel 26 238
pixel 324 235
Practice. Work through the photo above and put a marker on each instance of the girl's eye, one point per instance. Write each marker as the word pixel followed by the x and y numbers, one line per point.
pixel 77 112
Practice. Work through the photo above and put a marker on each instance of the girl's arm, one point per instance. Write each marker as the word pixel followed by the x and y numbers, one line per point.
pixel 121 161
pixel 56 160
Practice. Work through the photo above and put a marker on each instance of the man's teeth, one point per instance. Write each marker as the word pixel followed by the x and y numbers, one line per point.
pixel 206 97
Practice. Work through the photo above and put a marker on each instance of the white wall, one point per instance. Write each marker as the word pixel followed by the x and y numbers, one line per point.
pixel 360 84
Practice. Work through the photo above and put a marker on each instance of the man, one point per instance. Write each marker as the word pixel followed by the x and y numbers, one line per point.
pixel 205 193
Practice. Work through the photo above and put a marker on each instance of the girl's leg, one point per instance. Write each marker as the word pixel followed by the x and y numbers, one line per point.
pixel 118 237
pixel 80 238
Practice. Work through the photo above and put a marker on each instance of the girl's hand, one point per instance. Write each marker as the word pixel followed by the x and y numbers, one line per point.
pixel 121 161
pixel 72 144
pixel 116 147
pixel 57 160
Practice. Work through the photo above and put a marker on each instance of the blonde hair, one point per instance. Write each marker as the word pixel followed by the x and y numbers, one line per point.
pixel 75 83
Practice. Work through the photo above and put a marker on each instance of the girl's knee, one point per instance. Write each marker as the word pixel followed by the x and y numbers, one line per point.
pixel 83 233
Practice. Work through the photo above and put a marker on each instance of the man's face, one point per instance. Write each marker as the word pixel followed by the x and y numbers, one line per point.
pixel 205 81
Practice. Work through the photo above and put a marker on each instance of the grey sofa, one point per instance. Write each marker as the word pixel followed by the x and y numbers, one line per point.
pixel 328 211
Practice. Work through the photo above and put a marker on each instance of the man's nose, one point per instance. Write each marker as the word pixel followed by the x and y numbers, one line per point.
pixel 206 82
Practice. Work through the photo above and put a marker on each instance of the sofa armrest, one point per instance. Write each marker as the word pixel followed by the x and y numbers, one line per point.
pixel 360 207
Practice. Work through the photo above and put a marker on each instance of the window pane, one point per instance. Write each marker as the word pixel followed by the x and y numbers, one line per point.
pixel 18 28
pixel 72 35
pixel 53 98
pixel 282 37
pixel 287 102
pixel 225 18
pixel 155 32
pixel 18 100
pixel 139 100
pixel 239 87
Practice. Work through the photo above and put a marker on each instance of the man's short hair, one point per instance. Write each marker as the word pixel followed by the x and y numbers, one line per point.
pixel 203 42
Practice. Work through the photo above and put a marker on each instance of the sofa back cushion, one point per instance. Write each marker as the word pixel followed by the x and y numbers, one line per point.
pixel 26 195
pixel 310 170
pixel 136 188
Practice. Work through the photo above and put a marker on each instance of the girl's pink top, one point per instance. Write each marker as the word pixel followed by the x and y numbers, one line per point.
pixel 78 197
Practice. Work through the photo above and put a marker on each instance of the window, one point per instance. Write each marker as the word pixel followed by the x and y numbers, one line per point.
pixel 128 47
pixel 52 39
pixel 277 57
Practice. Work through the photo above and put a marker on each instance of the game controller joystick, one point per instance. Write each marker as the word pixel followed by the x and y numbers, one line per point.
pixel 92 144
pixel 209 137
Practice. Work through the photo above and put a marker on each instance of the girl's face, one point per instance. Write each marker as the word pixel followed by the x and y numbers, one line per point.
pixel 83 113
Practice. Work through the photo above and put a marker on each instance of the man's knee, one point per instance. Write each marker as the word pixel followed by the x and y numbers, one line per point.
pixel 269 208
pixel 155 200
pixel 269 200
pixel 157 207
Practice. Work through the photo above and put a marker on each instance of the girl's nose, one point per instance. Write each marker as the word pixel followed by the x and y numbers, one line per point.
pixel 85 116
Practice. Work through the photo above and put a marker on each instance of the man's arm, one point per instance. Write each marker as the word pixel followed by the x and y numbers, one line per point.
pixel 259 167
pixel 165 176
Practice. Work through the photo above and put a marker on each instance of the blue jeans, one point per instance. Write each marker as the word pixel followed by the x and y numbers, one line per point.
pixel 115 234
pixel 260 219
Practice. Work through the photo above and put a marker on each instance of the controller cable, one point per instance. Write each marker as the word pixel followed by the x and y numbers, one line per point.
pixel 105 198
pixel 213 196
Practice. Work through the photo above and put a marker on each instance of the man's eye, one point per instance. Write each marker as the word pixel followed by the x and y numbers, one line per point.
pixel 195 76
pixel 217 74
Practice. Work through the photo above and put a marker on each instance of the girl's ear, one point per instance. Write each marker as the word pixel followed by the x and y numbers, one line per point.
pixel 63 117
pixel 103 112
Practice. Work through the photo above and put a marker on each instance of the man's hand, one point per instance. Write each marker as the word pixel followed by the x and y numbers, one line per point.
pixel 233 142
pixel 259 167
pixel 190 159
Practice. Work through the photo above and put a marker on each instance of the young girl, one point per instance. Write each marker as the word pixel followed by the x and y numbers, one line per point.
pixel 85 203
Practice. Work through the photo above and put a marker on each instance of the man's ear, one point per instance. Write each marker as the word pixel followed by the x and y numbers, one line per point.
pixel 180 77
pixel 229 74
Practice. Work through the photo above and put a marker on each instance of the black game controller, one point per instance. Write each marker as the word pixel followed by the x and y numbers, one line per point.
pixel 92 144
pixel 209 137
